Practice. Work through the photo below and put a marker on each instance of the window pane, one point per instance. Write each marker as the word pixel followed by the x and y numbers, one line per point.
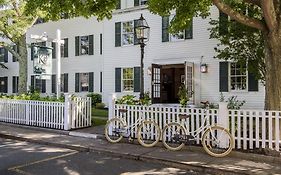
pixel 128 33
pixel 128 79
pixel 84 45
pixel 238 77
pixel 84 81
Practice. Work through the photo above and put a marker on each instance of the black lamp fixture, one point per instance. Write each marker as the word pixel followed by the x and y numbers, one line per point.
pixel 142 31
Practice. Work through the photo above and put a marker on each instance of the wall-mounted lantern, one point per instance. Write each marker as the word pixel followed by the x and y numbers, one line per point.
pixel 203 68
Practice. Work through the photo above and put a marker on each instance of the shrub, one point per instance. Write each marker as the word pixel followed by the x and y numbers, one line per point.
pixel 146 99
pixel 96 98
pixel 32 96
pixel 100 105
pixel 183 95
pixel 128 100
pixel 233 103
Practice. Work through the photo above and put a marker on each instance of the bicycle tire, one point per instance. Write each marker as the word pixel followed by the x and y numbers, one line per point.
pixel 119 124
pixel 167 136
pixel 208 144
pixel 154 132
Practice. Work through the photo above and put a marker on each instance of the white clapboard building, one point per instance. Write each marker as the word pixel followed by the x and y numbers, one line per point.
pixel 102 57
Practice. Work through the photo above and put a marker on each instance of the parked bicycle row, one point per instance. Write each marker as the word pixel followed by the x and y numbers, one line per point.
pixel 216 140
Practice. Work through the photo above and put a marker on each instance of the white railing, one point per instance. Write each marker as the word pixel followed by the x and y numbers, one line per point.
pixel 255 129
pixel 81 112
pixel 250 128
pixel 71 114
pixel 33 113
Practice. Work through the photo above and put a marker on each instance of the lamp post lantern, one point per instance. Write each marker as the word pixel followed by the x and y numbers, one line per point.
pixel 142 31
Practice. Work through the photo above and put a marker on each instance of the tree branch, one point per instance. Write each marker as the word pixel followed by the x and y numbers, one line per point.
pixel 16 8
pixel 251 22
pixel 254 2
pixel 10 49
pixel 269 14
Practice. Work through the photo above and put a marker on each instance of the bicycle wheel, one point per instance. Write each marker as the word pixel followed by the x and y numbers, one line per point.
pixel 171 135
pixel 113 130
pixel 148 133
pixel 217 141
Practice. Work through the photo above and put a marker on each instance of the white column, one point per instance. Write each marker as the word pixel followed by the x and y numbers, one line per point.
pixel 111 108
pixel 58 49
pixel 223 121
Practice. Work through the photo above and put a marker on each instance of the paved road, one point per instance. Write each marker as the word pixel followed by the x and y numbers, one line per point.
pixel 34 159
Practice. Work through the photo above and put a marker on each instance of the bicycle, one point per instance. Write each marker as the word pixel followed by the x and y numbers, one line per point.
pixel 216 140
pixel 147 130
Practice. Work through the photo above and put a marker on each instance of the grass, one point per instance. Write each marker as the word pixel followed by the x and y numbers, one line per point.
pixel 99 116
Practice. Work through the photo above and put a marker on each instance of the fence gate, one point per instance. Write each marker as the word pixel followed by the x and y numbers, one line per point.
pixel 80 115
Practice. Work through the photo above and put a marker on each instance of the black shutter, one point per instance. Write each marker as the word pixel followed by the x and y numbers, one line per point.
pixel 165 29
pixel 65 48
pixel 77 84
pixel 223 77
pixel 54 50
pixel 117 79
pixel 54 84
pixel 43 86
pixel 14 84
pixel 6 84
pixel 223 23
pixel 15 48
pixel 32 51
pixel 91 81
pixel 32 83
pixel 136 41
pixel 136 3
pixel 65 82
pixel 5 55
pixel 117 34
pixel 100 81
pixel 253 83
pixel 189 31
pixel 118 4
pixel 101 44
pixel 136 79
pixel 91 44
pixel 77 44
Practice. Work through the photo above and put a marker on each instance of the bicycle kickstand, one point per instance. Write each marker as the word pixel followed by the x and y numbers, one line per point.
pixel 131 140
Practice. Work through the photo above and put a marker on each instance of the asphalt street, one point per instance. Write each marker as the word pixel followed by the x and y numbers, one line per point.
pixel 33 159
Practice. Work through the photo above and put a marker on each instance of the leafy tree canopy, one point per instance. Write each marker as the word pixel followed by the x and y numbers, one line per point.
pixel 72 8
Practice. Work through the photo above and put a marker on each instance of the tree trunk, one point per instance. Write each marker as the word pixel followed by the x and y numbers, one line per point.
pixel 273 70
pixel 22 65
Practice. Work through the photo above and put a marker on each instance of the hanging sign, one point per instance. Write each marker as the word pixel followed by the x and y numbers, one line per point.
pixel 42 60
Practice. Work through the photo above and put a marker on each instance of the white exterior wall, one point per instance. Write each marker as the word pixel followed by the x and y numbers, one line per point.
pixel 206 84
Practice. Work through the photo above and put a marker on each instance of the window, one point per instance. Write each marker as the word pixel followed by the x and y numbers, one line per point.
pixel 63 49
pixel 84 82
pixel 128 33
pixel 15 84
pixel 180 36
pixel 128 79
pixel 3 84
pixel 38 84
pixel 143 2
pixel 238 77
pixel 140 2
pixel 2 54
pixel 84 45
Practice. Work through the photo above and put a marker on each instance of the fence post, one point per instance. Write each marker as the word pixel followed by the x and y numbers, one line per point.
pixel 27 111
pixel 223 119
pixel 111 105
pixel 67 112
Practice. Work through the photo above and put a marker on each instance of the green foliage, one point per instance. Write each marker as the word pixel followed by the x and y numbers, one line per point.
pixel 240 43
pixel 128 100
pixel 55 9
pixel 183 95
pixel 96 98
pixel 102 113
pixel 234 103
pixel 32 96
pixel 100 105
pixel 146 99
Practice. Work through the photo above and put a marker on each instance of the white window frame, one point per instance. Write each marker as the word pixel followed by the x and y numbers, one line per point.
pixel 231 76
pixel 80 82
pixel 122 79
pixel 87 45
pixel 122 33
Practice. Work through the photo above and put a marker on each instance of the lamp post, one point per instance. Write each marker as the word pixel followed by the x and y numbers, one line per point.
pixel 142 31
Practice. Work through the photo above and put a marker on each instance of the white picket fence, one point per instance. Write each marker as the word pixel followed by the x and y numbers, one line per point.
pixel 71 114
pixel 251 129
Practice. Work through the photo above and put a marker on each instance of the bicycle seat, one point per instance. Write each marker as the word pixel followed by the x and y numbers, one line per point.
pixel 184 116
pixel 204 102
pixel 122 110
